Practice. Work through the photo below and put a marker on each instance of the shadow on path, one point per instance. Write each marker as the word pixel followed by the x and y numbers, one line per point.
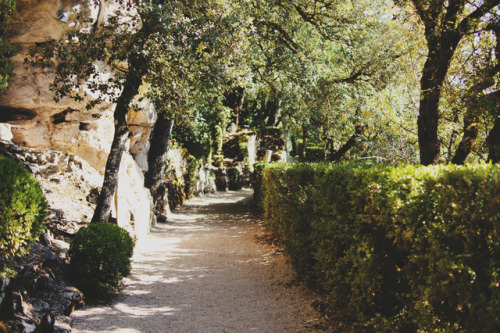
pixel 202 271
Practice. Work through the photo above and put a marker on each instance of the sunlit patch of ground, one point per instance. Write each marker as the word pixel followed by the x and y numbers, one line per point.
pixel 204 271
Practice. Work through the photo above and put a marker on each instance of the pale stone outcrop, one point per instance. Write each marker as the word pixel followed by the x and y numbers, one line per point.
pixel 66 131
pixel 134 203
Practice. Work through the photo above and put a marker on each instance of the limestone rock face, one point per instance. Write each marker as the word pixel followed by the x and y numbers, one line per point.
pixel 70 143
pixel 28 104
pixel 133 201
pixel 140 123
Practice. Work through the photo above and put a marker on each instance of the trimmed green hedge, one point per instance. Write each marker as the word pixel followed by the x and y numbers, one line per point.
pixel 395 248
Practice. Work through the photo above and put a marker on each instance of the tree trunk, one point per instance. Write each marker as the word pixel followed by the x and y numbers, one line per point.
pixel 475 103
pixel 305 134
pixel 234 100
pixel 133 81
pixel 434 73
pixel 493 139
pixel 241 100
pixel 493 142
pixel 469 138
pixel 358 131
pixel 157 160
pixel 273 109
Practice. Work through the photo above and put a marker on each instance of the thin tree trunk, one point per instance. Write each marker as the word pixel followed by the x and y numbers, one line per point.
pixel 99 23
pixel 493 142
pixel 240 106
pixel 493 139
pixel 133 81
pixel 273 109
pixel 474 106
pixel 305 134
pixel 157 159
pixel 358 131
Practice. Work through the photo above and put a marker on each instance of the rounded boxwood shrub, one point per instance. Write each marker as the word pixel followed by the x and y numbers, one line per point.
pixel 234 179
pixel 191 177
pixel 22 210
pixel 99 258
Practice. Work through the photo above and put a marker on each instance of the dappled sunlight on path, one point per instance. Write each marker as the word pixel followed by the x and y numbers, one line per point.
pixel 202 271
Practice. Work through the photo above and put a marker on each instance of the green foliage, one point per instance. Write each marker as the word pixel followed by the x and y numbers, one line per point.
pixel 258 185
pixel 176 194
pixel 315 154
pixel 195 136
pixel 396 248
pixel 191 177
pixel 221 179
pixel 7 50
pixel 100 257
pixel 22 211
pixel 234 179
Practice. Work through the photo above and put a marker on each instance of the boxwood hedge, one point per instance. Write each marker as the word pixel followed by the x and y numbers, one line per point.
pixel 396 248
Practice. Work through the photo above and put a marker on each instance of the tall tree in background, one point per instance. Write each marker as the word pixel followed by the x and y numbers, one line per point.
pixel 446 22
pixel 194 61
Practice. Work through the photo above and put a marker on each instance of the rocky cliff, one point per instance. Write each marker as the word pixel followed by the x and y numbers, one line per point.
pixel 71 142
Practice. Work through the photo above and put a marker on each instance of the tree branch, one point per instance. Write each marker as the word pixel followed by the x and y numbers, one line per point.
pixel 468 23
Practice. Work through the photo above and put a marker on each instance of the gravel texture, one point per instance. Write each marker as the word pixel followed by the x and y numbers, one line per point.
pixel 206 271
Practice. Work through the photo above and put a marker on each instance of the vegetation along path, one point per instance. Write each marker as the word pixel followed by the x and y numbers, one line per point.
pixel 206 271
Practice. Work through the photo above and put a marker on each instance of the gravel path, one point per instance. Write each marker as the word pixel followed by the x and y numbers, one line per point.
pixel 205 271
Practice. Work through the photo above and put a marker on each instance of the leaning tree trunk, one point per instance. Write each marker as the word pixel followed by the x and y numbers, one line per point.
pixel 358 131
pixel 476 104
pixel 468 140
pixel 157 160
pixel 133 81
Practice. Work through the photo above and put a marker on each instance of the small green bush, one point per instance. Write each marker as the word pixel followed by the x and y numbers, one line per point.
pixel 191 177
pixel 315 154
pixel 397 249
pixel 100 257
pixel 176 194
pixel 22 211
pixel 234 179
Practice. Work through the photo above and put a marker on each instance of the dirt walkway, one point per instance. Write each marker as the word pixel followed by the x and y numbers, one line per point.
pixel 204 271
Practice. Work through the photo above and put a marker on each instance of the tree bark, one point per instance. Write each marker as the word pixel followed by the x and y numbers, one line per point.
pixel 157 159
pixel 133 81
pixel 493 139
pixel 441 51
pixel 469 138
pixel 305 135
pixel 358 131
pixel 443 31
pixel 273 109
pixel 235 99
pixel 493 142
pixel 476 103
